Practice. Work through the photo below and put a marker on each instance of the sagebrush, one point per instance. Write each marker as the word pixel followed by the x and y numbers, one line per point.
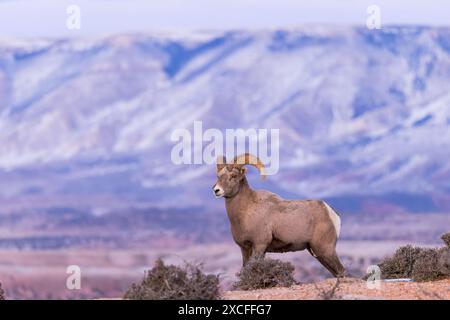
pixel 2 293
pixel 169 282
pixel 420 264
pixel 261 273
pixel 446 239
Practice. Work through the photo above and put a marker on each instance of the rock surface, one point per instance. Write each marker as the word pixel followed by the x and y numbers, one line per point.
pixel 351 289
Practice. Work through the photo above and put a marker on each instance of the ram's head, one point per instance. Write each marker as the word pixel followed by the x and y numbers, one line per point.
pixel 230 174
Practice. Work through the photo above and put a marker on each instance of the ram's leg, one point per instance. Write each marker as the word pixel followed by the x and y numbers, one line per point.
pixel 333 264
pixel 259 250
pixel 246 254
pixel 330 260
pixel 326 254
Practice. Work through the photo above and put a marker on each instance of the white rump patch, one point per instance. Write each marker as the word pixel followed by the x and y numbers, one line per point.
pixel 334 218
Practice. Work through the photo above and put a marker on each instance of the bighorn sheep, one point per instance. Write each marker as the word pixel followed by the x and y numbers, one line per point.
pixel 262 221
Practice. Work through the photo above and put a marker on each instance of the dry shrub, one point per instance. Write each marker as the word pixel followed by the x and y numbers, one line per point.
pixel 330 293
pixel 420 264
pixel 261 273
pixel 2 293
pixel 444 261
pixel 401 264
pixel 446 239
pixel 426 267
pixel 175 283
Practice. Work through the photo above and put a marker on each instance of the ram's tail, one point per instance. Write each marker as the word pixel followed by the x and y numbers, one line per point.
pixel 335 219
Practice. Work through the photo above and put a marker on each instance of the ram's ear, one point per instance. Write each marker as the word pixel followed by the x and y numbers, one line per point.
pixel 221 162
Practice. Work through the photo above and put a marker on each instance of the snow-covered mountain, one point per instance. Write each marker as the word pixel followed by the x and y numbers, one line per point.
pixel 364 115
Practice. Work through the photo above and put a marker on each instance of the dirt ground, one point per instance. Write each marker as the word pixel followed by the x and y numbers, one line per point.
pixel 351 289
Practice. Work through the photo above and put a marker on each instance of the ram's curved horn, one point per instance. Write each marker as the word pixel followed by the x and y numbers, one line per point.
pixel 220 162
pixel 252 160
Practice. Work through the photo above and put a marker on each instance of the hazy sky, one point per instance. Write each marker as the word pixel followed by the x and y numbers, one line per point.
pixel 28 18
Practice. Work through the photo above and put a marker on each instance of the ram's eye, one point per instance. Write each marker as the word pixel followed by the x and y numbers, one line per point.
pixel 232 176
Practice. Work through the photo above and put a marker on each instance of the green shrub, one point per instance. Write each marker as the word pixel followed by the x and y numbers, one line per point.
pixel 175 283
pixel 260 273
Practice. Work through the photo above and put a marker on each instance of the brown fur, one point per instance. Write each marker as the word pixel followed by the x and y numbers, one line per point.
pixel 262 221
